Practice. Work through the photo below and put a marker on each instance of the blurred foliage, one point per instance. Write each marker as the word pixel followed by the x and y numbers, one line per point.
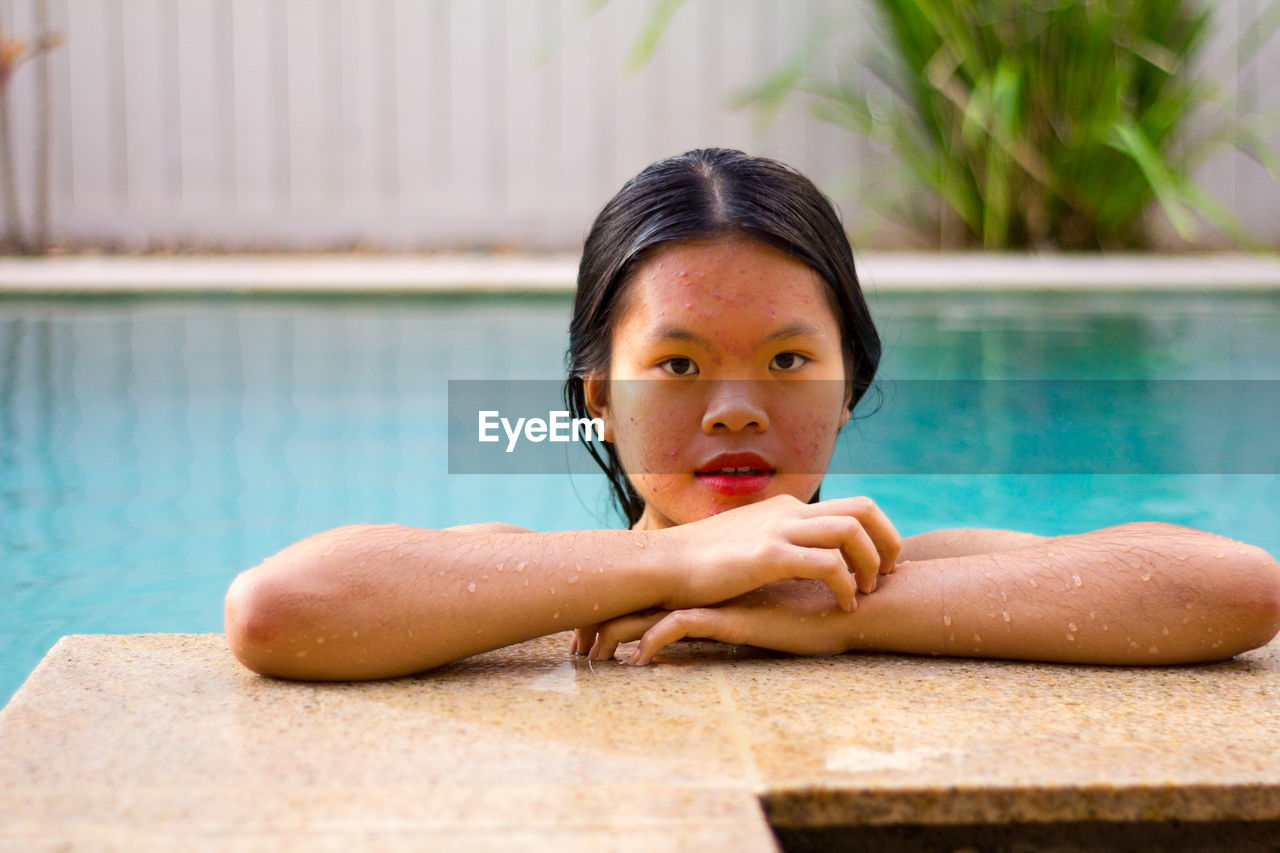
pixel 1037 123
pixel 14 52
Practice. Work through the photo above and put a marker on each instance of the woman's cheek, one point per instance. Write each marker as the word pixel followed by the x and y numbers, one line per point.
pixel 649 447
pixel 811 445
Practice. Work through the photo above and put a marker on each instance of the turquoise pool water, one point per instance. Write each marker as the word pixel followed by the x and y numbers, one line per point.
pixel 151 449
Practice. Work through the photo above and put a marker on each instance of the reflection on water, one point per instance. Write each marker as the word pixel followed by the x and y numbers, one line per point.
pixel 149 450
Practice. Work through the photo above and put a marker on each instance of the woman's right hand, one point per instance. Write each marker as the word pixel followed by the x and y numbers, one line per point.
pixel 835 541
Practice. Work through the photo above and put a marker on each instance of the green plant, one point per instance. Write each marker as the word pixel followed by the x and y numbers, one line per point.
pixel 1045 123
pixel 1031 123
pixel 13 53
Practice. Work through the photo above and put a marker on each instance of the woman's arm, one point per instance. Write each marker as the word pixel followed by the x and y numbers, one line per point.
pixel 373 601
pixel 962 542
pixel 1142 593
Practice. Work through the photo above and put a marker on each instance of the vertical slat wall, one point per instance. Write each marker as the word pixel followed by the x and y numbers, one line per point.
pixel 439 123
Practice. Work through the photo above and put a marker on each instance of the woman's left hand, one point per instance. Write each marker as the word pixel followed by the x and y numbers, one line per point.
pixel 797 616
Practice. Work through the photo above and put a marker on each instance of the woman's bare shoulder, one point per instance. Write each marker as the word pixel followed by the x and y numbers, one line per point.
pixel 489 527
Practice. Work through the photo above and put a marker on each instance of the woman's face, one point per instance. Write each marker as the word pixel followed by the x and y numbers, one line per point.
pixel 703 403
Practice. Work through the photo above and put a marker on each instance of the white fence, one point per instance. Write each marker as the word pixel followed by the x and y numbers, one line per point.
pixel 432 123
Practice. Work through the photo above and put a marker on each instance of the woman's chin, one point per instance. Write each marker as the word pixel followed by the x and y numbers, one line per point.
pixel 714 494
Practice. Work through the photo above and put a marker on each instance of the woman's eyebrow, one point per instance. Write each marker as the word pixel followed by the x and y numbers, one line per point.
pixel 678 333
pixel 799 329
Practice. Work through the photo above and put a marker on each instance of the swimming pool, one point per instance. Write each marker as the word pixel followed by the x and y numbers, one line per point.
pixel 150 449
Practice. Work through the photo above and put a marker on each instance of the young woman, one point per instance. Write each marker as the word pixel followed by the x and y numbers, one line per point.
pixel 708 286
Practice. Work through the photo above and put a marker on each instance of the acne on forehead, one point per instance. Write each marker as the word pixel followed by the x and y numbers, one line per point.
pixel 683 270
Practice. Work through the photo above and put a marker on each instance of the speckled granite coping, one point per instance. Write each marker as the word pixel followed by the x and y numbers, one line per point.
pixel 144 741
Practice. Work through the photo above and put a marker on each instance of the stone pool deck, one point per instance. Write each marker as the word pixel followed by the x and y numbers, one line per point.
pixel 163 741
pixel 368 274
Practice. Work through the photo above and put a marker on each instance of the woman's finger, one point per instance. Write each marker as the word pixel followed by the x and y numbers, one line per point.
pixel 847 535
pixel 624 629
pixel 583 639
pixel 823 564
pixel 884 535
pixel 706 623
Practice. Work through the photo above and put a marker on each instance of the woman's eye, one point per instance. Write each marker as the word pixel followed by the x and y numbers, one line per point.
pixel 680 366
pixel 788 361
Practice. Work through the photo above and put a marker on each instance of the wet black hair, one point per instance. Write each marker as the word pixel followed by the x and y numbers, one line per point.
pixel 705 195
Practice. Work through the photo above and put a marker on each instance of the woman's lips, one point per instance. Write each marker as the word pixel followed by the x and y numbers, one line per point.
pixel 735 484
pixel 735 474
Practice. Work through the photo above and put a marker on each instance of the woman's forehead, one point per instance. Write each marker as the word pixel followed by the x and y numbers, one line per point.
pixel 731 280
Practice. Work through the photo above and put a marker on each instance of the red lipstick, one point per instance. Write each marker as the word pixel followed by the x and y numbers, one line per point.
pixel 735 474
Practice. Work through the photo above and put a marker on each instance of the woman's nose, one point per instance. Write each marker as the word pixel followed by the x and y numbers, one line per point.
pixel 734 405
